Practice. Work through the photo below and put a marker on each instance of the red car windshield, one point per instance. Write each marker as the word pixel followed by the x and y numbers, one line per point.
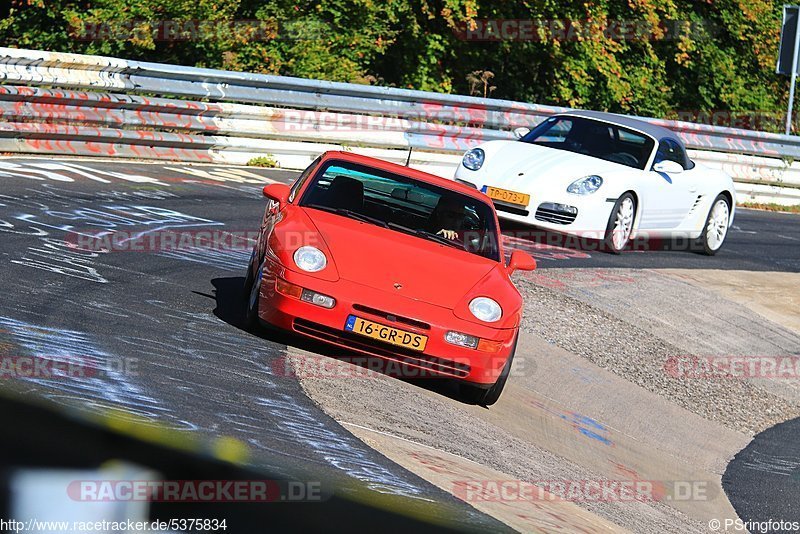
pixel 404 205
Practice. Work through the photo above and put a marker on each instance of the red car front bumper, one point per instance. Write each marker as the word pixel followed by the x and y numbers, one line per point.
pixel 440 358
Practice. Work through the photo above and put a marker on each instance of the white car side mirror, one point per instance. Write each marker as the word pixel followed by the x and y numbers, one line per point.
pixel 668 166
pixel 521 132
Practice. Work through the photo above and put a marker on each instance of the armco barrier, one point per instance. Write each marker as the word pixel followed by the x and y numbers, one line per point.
pixel 55 103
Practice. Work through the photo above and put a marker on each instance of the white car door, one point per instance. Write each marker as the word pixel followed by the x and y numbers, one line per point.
pixel 669 192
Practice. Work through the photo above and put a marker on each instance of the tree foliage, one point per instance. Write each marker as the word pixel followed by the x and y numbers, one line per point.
pixel 681 55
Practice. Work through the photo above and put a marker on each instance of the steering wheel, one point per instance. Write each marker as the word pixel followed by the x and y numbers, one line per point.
pixel 624 158
pixel 472 231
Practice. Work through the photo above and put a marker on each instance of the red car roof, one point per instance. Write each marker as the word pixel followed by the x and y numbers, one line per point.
pixel 408 171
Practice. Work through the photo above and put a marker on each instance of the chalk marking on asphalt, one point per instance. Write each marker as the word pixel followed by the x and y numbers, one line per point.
pixel 241 172
pixel 774 464
pixel 220 174
pixel 787 237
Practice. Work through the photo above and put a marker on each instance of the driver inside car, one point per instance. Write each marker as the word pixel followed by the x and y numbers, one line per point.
pixel 448 218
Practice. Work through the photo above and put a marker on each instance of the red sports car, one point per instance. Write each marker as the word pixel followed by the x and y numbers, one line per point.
pixel 387 261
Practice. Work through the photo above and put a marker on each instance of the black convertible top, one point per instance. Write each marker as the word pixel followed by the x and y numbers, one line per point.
pixel 657 132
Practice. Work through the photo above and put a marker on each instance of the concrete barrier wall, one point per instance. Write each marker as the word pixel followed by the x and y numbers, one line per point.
pixel 55 103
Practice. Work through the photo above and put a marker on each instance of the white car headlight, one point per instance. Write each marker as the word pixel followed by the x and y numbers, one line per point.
pixel 473 159
pixel 310 259
pixel 486 309
pixel 586 185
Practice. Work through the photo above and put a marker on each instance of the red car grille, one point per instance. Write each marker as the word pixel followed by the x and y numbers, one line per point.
pixel 382 350
pixel 391 317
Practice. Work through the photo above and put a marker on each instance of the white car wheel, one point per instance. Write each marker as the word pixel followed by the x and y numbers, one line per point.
pixel 620 224
pixel 716 227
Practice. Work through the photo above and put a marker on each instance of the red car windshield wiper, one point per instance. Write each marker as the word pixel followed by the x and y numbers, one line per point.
pixel 426 235
pixel 349 213
pixel 394 226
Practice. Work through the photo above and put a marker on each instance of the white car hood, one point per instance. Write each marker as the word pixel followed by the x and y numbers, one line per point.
pixel 513 163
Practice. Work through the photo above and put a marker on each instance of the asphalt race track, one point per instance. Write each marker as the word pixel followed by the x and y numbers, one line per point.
pixel 762 480
pixel 757 241
pixel 167 321
pixel 166 325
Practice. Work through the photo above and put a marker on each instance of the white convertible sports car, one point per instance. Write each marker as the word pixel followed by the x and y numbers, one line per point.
pixel 603 176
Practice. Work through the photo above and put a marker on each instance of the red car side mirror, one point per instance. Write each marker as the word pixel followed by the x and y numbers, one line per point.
pixel 520 261
pixel 277 192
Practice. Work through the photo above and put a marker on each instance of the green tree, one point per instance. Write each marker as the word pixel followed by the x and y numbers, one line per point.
pixel 646 57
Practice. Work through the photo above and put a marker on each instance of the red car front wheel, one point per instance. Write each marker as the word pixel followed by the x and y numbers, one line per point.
pixel 488 396
pixel 252 293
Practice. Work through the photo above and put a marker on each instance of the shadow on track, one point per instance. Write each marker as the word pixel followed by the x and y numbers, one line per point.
pixel 229 297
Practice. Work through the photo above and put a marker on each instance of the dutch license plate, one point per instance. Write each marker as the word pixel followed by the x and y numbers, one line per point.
pixel 511 197
pixel 395 336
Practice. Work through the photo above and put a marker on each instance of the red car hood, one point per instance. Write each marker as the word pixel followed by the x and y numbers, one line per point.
pixel 380 258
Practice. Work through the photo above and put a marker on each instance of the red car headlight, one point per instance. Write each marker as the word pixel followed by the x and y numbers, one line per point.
pixel 310 259
pixel 486 309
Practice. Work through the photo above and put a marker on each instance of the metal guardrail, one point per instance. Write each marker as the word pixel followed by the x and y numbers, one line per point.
pixel 90 105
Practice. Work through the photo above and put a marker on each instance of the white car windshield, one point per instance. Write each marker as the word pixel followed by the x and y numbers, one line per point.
pixel 593 138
